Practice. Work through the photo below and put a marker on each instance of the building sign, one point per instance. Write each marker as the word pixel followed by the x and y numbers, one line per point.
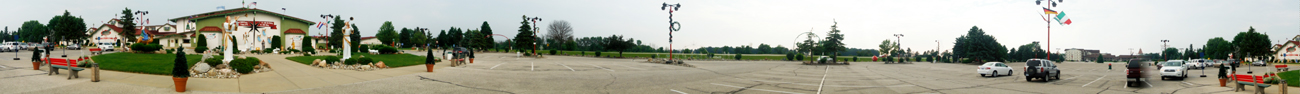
pixel 259 23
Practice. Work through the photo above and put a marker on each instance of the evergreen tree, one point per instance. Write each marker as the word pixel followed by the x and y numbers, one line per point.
pixel 442 38
pixel 336 36
pixel 979 47
pixel 404 37
pixel 524 39
pixel 201 44
pixel 276 42
pixel 307 44
pixel 127 20
pixel 355 38
pixel 834 41
pixel 1252 44
pixel 67 26
pixel 33 31
pixel 486 31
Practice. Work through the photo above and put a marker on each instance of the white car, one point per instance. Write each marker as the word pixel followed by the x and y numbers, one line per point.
pixel 1173 68
pixel 1259 63
pixel 994 69
pixel 9 46
pixel 1196 64
pixel 106 46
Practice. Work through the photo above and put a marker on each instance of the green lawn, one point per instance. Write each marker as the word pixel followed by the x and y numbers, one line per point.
pixel 1290 76
pixel 392 60
pixel 689 56
pixel 142 63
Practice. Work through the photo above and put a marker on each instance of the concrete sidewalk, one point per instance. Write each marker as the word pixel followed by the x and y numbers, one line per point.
pixel 286 75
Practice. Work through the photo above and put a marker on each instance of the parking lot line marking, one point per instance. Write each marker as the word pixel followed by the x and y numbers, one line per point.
pixel 566 66
pixel 823 82
pixel 532 66
pixel 680 92
pixel 1185 82
pixel 1149 83
pixel 499 64
pixel 602 68
pixel 631 67
pixel 1098 78
pixel 754 88
pixel 806 84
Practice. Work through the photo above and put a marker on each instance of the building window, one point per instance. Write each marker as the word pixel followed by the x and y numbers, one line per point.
pixel 185 41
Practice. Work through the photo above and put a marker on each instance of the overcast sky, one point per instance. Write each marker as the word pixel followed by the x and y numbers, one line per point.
pixel 1112 26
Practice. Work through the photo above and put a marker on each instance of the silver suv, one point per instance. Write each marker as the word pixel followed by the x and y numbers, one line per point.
pixel 1042 69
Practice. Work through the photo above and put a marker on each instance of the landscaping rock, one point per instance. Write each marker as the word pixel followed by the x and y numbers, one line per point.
pixel 200 67
pixel 381 65
pixel 316 62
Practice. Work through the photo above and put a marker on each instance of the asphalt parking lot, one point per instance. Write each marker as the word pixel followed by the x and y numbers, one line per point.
pixel 504 73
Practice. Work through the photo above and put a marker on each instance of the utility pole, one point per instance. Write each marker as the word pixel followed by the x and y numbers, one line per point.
pixel 534 19
pixel 1165 46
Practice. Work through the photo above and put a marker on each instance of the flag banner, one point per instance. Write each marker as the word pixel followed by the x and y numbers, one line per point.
pixel 1062 19
pixel 1048 11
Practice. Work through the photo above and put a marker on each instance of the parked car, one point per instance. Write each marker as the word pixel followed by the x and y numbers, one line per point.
pixel 72 47
pixel 1259 63
pixel 994 69
pixel 9 46
pixel 1196 64
pixel 1135 71
pixel 106 46
pixel 1173 68
pixel 1042 69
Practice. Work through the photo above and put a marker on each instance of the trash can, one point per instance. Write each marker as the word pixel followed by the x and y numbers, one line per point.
pixel 94 69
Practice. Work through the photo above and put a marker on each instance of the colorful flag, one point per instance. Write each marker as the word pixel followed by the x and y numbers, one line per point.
pixel 1061 18
pixel 1048 11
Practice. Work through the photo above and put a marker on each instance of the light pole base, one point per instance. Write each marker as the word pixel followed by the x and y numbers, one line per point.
pixel 15 58
pixel 65 55
pixel 1202 76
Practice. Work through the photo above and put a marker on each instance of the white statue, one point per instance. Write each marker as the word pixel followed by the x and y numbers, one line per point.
pixel 225 39
pixel 347 47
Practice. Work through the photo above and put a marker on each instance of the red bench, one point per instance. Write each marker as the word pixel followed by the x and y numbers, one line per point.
pixel 96 51
pixel 1257 81
pixel 60 63
pixel 1281 68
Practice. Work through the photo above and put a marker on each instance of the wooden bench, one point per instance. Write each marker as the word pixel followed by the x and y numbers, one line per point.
pixel 1257 81
pixel 70 64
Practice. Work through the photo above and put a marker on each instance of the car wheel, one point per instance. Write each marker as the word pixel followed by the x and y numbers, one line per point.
pixel 1029 79
pixel 1046 78
pixel 995 74
pixel 1058 75
pixel 1010 72
pixel 1163 77
pixel 982 75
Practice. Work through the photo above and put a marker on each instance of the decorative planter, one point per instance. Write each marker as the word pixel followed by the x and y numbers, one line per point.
pixel 180 83
pixel 1221 81
pixel 471 60
pixel 428 67
pixel 36 66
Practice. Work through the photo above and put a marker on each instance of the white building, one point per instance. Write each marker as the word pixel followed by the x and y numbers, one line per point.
pixel 1286 52
pixel 1076 54
pixel 254 28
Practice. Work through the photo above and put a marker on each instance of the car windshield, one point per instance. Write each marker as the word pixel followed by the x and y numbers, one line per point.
pixel 990 64
pixel 1174 63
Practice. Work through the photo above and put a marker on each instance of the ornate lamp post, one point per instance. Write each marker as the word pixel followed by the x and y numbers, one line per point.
pixel 673 26
pixel 534 19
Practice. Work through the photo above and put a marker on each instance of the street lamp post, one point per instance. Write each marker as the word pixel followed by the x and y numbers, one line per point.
pixel 671 27
pixel 1165 46
pixel 534 19
pixel 899 42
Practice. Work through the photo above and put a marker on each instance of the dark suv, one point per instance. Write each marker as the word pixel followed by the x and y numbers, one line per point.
pixel 1042 69
pixel 1134 71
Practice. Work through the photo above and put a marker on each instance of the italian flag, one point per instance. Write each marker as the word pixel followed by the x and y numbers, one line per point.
pixel 1062 19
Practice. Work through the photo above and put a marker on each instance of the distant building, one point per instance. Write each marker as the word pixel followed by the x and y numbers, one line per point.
pixel 1286 52
pixel 1076 54
pixel 254 28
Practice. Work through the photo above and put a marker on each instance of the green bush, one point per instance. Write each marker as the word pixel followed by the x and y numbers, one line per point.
pixel 789 56
pixel 738 56
pixel 799 56
pixel 350 61
pixel 213 62
pixel 201 44
pixel 553 52
pixel 364 48
pixel 365 61
pixel 169 51
pixel 855 59
pixel 385 49
pixel 244 65
pixel 200 49
pixel 597 54
pixel 142 47
pixel 332 59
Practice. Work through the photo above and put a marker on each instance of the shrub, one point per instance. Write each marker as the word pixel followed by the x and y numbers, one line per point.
pixel 244 65
pixel 200 49
pixel 387 50
pixel 142 47
pixel 855 59
pixel 789 56
pixel 169 51
pixel 428 57
pixel 553 52
pixel 201 44
pixel 597 54
pixel 737 56
pixel 364 48
pixel 365 61
pixel 212 62
pixel 180 68
pixel 306 54
pixel 350 61
pixel 332 59
pixel 799 56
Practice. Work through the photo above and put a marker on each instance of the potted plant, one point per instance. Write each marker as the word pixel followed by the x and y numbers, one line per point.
pixel 429 61
pixel 180 72
pixel 1223 75
pixel 36 60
